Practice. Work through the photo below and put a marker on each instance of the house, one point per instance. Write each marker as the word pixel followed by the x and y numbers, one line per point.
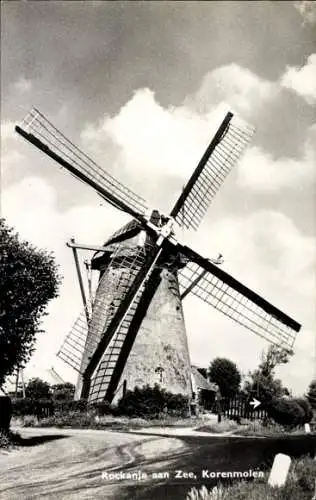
pixel 203 390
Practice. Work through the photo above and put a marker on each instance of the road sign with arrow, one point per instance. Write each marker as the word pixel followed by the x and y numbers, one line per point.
pixel 255 403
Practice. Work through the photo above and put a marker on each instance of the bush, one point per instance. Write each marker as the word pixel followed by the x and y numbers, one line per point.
pixel 307 408
pixel 29 406
pixel 4 441
pixel 64 391
pixel 102 408
pixel 286 412
pixel 66 406
pixel 71 419
pixel 30 421
pixel 46 407
pixel 21 407
pixel 311 395
pixel 152 402
pixel 304 472
pixel 9 440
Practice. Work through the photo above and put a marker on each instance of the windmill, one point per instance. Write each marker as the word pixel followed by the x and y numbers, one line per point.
pixel 55 376
pixel 133 332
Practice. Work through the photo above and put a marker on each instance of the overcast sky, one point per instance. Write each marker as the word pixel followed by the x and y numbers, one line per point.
pixel 141 87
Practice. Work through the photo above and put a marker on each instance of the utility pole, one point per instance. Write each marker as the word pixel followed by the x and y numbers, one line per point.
pixel 17 382
pixel 23 384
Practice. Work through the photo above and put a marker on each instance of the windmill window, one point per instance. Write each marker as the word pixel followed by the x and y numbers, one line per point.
pixel 159 370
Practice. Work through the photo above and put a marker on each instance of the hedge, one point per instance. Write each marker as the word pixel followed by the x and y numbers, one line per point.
pixel 46 407
pixel 290 412
pixel 151 402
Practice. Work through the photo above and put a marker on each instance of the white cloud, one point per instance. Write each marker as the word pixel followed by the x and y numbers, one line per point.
pixel 269 251
pixel 302 79
pixel 7 131
pixel 152 138
pixel 10 159
pixel 304 355
pixel 23 85
pixel 31 206
pixel 258 170
pixel 246 92
pixel 307 9
pixel 10 155
pixel 153 144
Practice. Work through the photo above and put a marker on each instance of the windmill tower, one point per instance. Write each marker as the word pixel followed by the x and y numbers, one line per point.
pixel 133 333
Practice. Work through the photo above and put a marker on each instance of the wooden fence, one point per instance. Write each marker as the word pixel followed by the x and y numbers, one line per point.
pixel 239 407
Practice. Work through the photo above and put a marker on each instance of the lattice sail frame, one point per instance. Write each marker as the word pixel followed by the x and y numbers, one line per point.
pixel 226 299
pixel 36 124
pixel 83 338
pixel 214 167
pixel 135 266
pixel 102 376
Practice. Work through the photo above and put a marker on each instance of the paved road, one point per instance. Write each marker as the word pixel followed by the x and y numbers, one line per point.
pixel 68 464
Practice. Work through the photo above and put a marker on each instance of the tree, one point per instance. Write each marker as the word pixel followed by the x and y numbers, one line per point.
pixel 28 281
pixel 311 395
pixel 263 384
pixel 226 375
pixel 64 391
pixel 37 389
pixel 274 356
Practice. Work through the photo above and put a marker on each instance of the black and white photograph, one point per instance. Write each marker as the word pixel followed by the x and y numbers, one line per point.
pixel 158 250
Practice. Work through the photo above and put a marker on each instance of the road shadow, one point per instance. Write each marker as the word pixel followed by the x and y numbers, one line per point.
pixel 214 455
pixel 17 440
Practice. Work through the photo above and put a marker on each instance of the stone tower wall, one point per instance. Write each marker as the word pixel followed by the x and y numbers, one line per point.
pixel 161 343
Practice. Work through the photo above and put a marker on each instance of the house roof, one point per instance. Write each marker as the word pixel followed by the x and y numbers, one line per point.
pixel 202 382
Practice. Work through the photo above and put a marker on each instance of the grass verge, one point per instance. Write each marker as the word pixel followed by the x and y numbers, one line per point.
pixel 88 421
pixel 9 440
pixel 300 485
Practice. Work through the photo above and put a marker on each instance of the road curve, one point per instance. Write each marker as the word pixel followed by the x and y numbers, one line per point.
pixel 68 463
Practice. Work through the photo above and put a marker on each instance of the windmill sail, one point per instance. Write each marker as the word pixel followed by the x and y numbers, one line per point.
pixel 40 132
pixel 224 293
pixel 102 379
pixel 83 339
pixel 73 347
pixel 93 349
pixel 220 157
